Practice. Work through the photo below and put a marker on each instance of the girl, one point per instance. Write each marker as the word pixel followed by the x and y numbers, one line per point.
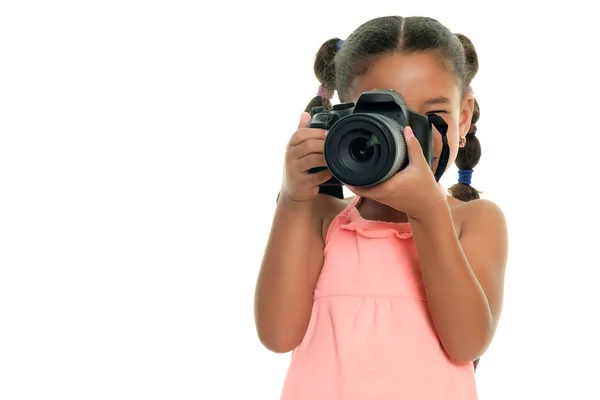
pixel 393 293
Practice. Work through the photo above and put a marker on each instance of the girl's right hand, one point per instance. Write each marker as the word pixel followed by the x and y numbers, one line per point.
pixel 304 152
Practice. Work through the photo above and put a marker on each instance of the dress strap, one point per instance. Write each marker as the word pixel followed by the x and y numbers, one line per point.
pixel 335 223
pixel 350 206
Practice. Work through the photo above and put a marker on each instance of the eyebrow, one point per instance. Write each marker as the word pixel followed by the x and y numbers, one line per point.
pixel 436 100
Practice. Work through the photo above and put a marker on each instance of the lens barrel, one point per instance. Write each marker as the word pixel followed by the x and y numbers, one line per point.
pixel 365 149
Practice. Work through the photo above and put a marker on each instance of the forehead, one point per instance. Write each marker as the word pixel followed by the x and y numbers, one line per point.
pixel 417 77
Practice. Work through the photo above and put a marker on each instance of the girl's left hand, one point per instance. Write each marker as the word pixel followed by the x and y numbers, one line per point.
pixel 413 190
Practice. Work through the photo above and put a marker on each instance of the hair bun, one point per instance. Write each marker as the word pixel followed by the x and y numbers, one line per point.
pixel 324 66
pixel 472 129
pixel 471 58
pixel 463 192
pixel 476 112
pixel 469 155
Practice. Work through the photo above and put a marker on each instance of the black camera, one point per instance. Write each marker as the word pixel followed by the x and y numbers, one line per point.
pixel 365 142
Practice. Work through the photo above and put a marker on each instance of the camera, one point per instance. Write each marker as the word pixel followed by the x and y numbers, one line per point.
pixel 365 143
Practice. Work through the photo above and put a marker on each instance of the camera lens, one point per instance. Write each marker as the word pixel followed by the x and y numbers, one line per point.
pixel 362 149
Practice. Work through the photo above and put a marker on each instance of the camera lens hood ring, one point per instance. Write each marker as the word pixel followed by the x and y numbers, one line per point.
pixel 355 125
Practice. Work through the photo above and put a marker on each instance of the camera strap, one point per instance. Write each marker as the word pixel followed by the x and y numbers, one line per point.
pixel 442 128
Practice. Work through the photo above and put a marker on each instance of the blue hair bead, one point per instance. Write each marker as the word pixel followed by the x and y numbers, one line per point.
pixel 464 176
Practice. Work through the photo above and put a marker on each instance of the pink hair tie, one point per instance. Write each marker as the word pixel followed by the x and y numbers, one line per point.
pixel 324 92
pixel 469 89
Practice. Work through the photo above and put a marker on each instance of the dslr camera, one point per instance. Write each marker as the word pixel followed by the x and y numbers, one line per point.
pixel 365 143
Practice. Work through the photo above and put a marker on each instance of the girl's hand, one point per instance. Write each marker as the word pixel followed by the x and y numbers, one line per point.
pixel 413 190
pixel 304 152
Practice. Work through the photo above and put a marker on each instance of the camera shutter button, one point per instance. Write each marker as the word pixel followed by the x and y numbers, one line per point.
pixel 324 117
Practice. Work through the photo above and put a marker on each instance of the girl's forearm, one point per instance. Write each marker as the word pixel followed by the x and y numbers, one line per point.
pixel 459 308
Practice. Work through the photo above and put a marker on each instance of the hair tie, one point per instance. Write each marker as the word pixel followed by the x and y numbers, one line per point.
pixel 324 92
pixel 339 44
pixel 469 89
pixel 464 176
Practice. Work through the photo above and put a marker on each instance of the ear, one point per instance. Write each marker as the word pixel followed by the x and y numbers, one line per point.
pixel 466 114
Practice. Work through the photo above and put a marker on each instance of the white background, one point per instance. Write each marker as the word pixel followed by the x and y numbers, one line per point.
pixel 140 156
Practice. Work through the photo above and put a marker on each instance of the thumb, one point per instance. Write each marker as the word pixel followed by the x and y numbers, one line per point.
pixel 415 151
pixel 305 119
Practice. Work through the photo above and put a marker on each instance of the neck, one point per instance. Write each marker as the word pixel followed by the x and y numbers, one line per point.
pixel 372 210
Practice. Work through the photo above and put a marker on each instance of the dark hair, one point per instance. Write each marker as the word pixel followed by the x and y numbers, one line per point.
pixel 337 67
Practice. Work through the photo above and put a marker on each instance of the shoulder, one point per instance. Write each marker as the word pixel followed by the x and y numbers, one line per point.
pixel 482 215
pixel 483 208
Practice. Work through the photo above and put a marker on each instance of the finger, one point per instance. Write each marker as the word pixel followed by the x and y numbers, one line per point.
pixel 311 161
pixel 304 120
pixel 415 151
pixel 318 178
pixel 304 134
pixel 309 146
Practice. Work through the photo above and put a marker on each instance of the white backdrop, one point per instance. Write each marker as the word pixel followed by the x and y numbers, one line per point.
pixel 140 156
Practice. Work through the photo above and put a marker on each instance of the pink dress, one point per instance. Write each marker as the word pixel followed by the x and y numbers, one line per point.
pixel 370 336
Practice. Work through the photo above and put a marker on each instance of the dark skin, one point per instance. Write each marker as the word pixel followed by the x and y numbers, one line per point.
pixel 462 246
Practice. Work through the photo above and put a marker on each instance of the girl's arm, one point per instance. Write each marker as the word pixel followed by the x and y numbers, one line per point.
pixel 289 272
pixel 463 278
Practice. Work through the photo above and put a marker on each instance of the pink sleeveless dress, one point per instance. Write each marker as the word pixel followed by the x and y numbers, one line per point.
pixel 370 336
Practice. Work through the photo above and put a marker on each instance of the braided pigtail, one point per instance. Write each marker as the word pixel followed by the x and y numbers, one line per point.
pixel 324 68
pixel 470 151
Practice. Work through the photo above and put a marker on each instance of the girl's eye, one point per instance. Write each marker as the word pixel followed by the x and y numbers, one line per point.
pixel 437 112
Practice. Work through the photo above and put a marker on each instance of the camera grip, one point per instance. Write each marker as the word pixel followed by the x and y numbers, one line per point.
pixel 330 182
pixel 331 187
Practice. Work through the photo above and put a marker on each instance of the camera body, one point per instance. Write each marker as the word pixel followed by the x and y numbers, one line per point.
pixel 365 141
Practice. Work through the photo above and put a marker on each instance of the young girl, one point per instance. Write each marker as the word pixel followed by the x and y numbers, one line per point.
pixel 393 293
